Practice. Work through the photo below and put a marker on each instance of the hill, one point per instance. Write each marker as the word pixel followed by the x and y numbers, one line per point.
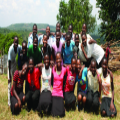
pixel 28 26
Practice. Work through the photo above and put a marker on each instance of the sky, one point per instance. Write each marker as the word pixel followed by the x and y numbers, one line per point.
pixel 33 11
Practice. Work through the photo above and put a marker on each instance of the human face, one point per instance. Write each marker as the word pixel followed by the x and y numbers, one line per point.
pixel 24 48
pixel 16 42
pixel 58 60
pixel 84 40
pixel 77 40
pixel 78 65
pixel 46 61
pixel 58 36
pixel 48 31
pixel 73 64
pixel 68 40
pixel 84 29
pixel 31 65
pixel 34 30
pixel 45 38
pixel 70 29
pixel 24 69
pixel 104 65
pixel 35 43
pixel 93 68
pixel 58 27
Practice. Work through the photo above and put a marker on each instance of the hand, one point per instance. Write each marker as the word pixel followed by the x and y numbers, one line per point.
pixel 91 41
pixel 30 33
pixel 9 80
pixel 63 46
pixel 19 103
pixel 112 108
pixel 99 100
pixel 82 67
pixel 82 47
pixel 52 63
pixel 40 65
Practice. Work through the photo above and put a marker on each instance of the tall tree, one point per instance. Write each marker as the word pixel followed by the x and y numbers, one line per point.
pixel 76 12
pixel 109 14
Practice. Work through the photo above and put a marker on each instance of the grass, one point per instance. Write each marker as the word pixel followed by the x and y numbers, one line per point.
pixel 5 112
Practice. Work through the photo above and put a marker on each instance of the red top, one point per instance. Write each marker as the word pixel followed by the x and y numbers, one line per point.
pixel 70 82
pixel 19 82
pixel 34 79
pixel 107 52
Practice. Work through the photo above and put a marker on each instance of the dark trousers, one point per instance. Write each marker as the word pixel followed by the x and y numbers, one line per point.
pixel 93 99
pixel 32 99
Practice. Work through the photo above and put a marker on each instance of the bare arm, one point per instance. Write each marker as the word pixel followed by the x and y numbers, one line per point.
pixel 80 73
pixel 9 79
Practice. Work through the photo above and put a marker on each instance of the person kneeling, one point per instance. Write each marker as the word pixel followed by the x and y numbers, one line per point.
pixel 17 96
pixel 33 79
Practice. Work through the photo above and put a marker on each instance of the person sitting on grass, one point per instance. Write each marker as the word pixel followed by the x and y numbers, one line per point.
pixel 45 101
pixel 58 73
pixel 17 96
pixel 33 79
pixel 94 84
pixel 107 107
pixel 69 96
pixel 21 57
pixel 82 87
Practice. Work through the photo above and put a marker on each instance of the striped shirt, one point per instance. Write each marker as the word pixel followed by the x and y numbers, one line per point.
pixel 19 82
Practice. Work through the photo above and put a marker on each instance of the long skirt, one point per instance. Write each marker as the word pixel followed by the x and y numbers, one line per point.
pixel 14 100
pixel 69 97
pixel 45 102
pixel 105 105
pixel 58 107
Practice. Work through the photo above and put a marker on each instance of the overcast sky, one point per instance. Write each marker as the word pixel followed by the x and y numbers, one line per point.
pixel 32 11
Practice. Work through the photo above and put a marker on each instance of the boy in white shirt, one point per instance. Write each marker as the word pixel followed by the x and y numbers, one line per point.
pixel 13 51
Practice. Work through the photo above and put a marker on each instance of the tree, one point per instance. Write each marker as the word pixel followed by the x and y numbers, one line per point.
pixel 76 12
pixel 110 25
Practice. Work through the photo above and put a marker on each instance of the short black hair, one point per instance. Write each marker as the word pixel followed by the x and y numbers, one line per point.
pixel 84 34
pixel 46 54
pixel 68 33
pixel 35 37
pixel 15 37
pixel 93 60
pixel 76 35
pixel 73 59
pixel 48 26
pixel 57 31
pixel 104 58
pixel 71 25
pixel 31 58
pixel 44 35
pixel 58 53
pixel 24 42
pixel 84 24
pixel 34 25
pixel 57 23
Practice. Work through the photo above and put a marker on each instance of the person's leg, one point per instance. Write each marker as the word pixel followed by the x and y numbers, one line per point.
pixel 35 98
pixel 22 97
pixel 79 98
pixel 84 100
pixel 9 86
pixel 26 87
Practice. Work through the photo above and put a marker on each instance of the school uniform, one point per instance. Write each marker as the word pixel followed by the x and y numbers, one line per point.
pixel 33 94
pixel 19 90
pixel 106 95
pixel 82 83
pixel 69 87
pixel 92 92
pixel 30 40
pixel 11 57
pixel 45 100
pixel 57 93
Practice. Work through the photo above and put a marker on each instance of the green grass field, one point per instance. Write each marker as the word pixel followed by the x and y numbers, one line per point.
pixel 5 112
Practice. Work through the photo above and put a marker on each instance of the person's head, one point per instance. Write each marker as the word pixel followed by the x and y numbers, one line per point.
pixel 24 69
pixel 73 64
pixel 108 44
pixel 58 26
pixel 104 64
pixel 24 47
pixel 48 31
pixel 46 60
pixel 35 42
pixel 58 36
pixel 93 66
pixel 68 39
pixel 31 64
pixel 84 39
pixel 15 42
pixel 84 28
pixel 34 29
pixel 45 38
pixel 58 59
pixel 78 65
pixel 77 40
pixel 70 29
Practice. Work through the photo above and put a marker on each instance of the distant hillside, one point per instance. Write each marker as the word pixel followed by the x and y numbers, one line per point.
pixel 28 26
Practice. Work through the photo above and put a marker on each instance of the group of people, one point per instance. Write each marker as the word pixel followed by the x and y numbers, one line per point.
pixel 52 70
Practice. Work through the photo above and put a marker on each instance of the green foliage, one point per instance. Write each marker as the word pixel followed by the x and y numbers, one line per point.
pixel 108 13
pixel 76 12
